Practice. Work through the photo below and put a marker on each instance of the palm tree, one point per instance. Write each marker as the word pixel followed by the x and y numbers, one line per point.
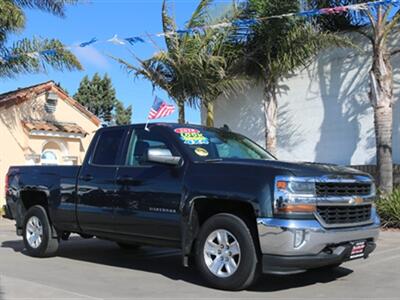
pixel 275 48
pixel 22 56
pixel 196 67
pixel 216 62
pixel 216 72
pixel 382 25
pixel 172 69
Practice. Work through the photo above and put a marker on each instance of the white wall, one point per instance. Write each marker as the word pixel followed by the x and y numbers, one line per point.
pixel 243 113
pixel 324 112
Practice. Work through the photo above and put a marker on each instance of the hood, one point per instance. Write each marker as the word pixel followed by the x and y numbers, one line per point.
pixel 300 169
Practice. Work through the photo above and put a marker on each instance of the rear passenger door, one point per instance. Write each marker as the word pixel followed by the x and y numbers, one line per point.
pixel 96 182
pixel 149 194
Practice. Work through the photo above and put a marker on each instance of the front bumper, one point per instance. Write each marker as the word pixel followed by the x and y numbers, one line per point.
pixel 278 264
pixel 291 246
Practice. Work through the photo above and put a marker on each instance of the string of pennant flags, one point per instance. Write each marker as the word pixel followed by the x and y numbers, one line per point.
pixel 133 40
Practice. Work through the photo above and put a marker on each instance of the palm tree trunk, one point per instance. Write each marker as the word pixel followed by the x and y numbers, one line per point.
pixel 270 106
pixel 381 96
pixel 181 112
pixel 210 113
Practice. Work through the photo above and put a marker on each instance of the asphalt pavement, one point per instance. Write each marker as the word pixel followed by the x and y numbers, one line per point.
pixel 96 269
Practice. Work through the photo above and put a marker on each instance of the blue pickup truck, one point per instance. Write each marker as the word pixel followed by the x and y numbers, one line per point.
pixel 230 206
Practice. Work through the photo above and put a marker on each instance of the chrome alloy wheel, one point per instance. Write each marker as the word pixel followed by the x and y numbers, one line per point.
pixel 222 253
pixel 34 232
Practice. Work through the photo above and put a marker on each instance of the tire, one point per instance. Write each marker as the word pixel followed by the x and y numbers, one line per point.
pixel 126 246
pixel 37 233
pixel 224 268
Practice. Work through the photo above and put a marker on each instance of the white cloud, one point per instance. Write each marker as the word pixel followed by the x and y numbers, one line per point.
pixel 91 56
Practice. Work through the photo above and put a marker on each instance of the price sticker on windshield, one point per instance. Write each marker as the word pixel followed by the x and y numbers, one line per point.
pixel 192 136
pixel 201 152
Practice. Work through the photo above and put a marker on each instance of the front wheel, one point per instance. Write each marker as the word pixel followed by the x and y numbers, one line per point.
pixel 37 233
pixel 225 253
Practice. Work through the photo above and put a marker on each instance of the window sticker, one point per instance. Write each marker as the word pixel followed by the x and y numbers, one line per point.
pixel 201 152
pixel 192 136
pixel 186 130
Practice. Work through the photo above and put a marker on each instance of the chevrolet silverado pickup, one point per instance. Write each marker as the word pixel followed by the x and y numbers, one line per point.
pixel 231 207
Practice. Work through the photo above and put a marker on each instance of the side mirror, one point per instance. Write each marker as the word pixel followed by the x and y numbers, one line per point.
pixel 163 156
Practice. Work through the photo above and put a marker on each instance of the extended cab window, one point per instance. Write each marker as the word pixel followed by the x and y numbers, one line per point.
pixel 108 147
pixel 142 140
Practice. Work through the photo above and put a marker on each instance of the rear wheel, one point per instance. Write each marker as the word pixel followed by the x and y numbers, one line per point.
pixel 37 233
pixel 225 253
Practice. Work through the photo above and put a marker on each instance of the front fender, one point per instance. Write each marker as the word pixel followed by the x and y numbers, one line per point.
pixel 191 225
pixel 245 183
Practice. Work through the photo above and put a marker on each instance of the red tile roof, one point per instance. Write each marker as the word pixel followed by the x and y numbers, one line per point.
pixel 23 94
pixel 54 127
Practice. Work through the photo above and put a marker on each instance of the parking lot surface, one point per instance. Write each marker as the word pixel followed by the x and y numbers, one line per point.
pixel 96 269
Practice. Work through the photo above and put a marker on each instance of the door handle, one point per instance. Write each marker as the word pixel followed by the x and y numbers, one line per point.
pixel 87 177
pixel 127 180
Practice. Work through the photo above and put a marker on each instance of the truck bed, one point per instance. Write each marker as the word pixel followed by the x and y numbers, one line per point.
pixel 57 182
pixel 34 171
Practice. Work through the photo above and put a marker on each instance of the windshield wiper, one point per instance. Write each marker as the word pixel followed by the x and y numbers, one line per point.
pixel 213 160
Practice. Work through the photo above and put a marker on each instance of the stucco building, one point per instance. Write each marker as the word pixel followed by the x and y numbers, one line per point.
pixel 42 125
pixel 324 110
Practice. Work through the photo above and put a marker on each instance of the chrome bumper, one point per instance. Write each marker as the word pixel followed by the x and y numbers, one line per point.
pixel 286 237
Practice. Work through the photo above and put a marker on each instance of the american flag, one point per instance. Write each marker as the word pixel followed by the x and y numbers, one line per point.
pixel 160 109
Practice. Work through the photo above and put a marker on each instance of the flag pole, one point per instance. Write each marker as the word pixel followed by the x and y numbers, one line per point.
pixel 148 117
pixel 146 127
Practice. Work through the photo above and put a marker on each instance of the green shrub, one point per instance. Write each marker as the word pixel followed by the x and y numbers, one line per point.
pixel 389 209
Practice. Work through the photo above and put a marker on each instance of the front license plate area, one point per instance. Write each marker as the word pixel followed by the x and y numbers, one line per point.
pixel 358 249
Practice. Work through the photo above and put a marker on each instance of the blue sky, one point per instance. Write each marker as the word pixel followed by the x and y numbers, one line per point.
pixel 103 19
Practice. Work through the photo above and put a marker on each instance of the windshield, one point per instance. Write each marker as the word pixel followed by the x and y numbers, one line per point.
pixel 210 144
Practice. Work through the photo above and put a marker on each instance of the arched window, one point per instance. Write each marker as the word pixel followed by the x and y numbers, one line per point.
pixel 48 157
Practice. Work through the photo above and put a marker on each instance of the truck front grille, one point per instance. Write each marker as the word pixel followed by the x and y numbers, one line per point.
pixel 344 214
pixel 338 189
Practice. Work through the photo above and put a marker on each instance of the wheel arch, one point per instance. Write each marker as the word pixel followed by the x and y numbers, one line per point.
pixel 202 208
pixel 29 198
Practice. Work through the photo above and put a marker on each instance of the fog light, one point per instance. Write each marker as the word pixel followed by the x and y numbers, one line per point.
pixel 299 237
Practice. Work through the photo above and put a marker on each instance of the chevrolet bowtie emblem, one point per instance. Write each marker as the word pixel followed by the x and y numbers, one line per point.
pixel 356 201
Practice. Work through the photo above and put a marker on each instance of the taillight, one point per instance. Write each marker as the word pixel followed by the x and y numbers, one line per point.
pixel 6 185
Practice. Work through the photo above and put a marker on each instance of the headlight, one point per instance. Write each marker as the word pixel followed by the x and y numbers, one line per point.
pixel 295 186
pixel 373 189
pixel 301 188
pixel 294 195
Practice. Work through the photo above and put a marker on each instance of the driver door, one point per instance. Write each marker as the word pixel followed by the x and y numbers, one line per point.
pixel 149 194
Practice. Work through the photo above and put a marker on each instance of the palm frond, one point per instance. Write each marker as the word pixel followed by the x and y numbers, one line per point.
pixel 276 48
pixel 56 7
pixel 22 57
pixel 199 16
pixel 169 26
pixel 12 19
